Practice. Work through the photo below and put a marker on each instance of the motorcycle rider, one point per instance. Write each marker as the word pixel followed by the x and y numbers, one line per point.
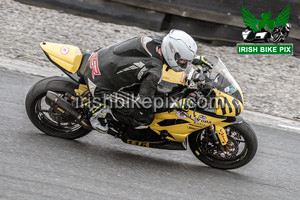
pixel 136 61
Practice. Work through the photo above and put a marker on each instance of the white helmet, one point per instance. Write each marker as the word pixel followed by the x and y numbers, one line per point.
pixel 176 47
pixel 288 26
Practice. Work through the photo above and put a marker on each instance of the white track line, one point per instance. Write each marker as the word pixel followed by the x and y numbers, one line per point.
pixel 290 127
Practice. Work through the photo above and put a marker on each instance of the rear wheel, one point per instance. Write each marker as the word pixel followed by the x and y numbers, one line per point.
pixel 240 149
pixel 47 119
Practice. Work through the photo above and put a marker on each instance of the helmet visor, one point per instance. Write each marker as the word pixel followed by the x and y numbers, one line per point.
pixel 182 63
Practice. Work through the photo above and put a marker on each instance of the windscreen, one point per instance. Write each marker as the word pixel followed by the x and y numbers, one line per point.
pixel 222 79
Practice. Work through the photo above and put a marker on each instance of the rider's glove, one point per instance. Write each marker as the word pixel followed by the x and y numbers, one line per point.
pixel 184 104
pixel 201 61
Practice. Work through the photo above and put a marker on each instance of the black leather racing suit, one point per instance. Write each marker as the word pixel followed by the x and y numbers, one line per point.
pixel 133 62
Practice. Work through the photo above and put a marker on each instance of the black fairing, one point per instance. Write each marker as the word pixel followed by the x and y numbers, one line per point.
pixel 165 88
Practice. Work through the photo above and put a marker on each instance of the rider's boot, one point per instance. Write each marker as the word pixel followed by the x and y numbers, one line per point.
pixel 98 119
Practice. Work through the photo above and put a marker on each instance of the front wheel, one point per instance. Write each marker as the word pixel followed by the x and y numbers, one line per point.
pixel 47 119
pixel 239 150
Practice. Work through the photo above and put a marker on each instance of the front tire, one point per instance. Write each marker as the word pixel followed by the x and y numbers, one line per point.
pixel 240 149
pixel 47 119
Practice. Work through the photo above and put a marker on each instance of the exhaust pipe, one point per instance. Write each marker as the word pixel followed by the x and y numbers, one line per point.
pixel 61 105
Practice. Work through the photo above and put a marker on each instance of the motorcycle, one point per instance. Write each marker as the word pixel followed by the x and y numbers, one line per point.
pixel 211 124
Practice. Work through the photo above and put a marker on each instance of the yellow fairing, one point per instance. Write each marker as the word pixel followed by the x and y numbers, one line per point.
pixel 227 105
pixel 179 132
pixel 67 56
pixel 172 76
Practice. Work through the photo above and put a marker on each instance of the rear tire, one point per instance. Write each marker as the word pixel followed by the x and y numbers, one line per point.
pixel 250 147
pixel 35 97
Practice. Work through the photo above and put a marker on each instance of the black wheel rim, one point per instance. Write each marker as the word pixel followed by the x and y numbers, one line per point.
pixel 53 119
pixel 235 150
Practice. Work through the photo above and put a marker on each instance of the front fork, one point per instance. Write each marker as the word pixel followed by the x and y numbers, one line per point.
pixel 219 135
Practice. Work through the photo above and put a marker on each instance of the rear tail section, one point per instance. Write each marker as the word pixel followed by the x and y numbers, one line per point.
pixel 64 56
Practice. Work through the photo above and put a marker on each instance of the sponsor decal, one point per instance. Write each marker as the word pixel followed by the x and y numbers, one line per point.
pixel 199 124
pixel 94 65
pixel 202 117
pixel 266 31
pixel 142 144
pixel 64 50
pixel 230 89
pixel 182 78
pixel 201 120
pixel 182 115
pixel 223 135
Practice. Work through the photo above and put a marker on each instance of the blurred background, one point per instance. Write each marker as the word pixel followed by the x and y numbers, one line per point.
pixel 269 82
pixel 216 21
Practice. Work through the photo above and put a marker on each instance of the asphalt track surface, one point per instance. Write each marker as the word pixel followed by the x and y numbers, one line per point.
pixel 35 166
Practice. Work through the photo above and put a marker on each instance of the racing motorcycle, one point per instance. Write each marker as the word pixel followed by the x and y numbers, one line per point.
pixel 216 134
